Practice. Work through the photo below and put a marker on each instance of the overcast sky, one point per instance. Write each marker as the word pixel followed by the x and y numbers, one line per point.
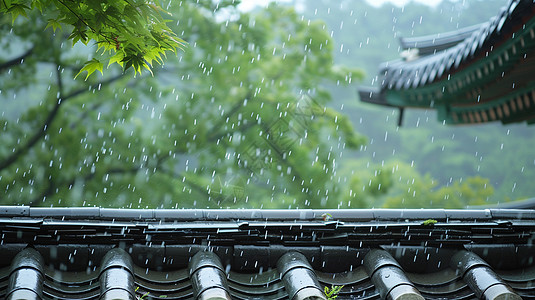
pixel 247 5
pixel 403 2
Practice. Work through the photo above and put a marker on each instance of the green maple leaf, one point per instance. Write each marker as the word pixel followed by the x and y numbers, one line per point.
pixel 116 58
pixel 16 10
pixel 91 66
pixel 55 24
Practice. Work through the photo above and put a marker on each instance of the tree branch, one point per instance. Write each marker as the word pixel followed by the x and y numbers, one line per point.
pixel 50 118
pixel 84 22
pixel 15 61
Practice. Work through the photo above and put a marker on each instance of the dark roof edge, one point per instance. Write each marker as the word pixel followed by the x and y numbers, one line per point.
pixel 264 214
pixel 373 95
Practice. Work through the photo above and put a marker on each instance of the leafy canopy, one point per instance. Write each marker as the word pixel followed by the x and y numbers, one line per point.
pixel 130 33
pixel 241 119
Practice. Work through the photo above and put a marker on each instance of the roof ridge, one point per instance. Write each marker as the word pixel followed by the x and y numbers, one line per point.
pixel 440 41
pixel 101 213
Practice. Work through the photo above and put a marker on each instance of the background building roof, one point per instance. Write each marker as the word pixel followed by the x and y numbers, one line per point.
pixel 477 74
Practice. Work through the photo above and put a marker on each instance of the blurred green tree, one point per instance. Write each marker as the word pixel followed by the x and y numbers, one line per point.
pixel 400 185
pixel 240 119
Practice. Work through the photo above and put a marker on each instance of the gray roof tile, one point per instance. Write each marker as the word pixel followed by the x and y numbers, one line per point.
pixel 268 254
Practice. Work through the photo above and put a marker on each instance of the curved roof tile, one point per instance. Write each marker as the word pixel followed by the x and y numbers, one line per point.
pixel 266 254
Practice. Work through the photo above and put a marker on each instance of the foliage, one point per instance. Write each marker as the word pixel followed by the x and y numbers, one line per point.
pixel 367 186
pixel 416 191
pixel 327 217
pixel 239 120
pixel 332 293
pixel 402 186
pixel 142 296
pixel 131 33
pixel 429 222
pixel 268 131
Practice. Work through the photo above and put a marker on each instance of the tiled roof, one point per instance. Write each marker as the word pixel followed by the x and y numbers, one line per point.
pixel 98 253
pixel 472 75
pixel 432 44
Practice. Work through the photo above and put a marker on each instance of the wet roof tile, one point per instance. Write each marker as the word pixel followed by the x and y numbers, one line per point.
pixel 90 254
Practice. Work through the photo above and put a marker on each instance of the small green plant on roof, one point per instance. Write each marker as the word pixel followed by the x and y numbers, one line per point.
pixel 332 293
pixel 142 296
pixel 327 217
pixel 146 295
pixel 429 222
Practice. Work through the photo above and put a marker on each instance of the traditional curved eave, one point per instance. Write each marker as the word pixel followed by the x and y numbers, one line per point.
pixel 486 77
